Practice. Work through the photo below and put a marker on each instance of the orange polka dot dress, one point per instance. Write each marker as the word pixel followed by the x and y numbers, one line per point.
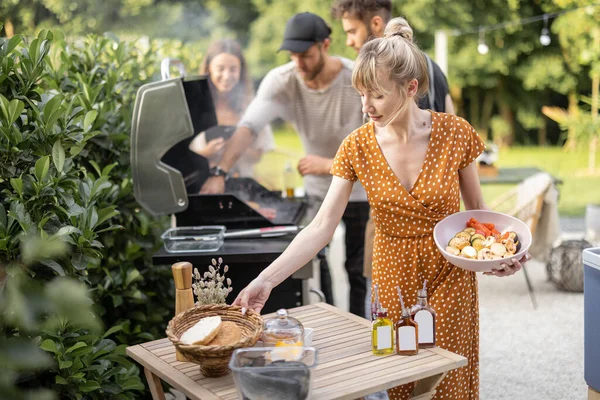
pixel 404 253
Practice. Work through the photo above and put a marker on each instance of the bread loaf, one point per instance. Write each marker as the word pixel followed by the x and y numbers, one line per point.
pixel 203 332
pixel 229 334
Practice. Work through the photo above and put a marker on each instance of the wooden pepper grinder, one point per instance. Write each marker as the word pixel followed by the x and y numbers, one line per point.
pixel 184 296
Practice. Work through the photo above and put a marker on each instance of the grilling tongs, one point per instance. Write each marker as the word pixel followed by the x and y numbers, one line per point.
pixel 273 231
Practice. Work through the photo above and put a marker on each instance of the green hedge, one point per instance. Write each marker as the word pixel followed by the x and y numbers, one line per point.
pixel 68 217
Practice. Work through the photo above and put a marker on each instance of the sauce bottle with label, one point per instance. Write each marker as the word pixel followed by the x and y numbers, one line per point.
pixel 382 334
pixel 407 331
pixel 424 316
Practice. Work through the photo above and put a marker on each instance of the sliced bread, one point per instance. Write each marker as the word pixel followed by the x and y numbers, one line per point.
pixel 203 332
pixel 228 335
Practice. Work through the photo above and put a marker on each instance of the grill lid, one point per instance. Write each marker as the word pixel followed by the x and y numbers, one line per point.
pixel 166 117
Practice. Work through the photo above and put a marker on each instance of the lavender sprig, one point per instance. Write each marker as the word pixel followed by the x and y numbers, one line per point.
pixel 212 287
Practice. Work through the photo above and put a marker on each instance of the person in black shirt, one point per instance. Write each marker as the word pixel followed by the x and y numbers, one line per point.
pixel 363 20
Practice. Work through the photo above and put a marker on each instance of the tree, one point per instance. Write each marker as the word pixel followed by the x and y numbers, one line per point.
pixel 187 20
pixel 517 77
pixel 266 32
pixel 488 82
pixel 579 33
pixel 580 42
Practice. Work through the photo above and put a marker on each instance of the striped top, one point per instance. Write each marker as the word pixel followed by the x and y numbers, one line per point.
pixel 323 118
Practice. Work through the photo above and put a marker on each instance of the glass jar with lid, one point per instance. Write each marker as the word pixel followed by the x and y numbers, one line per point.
pixel 283 330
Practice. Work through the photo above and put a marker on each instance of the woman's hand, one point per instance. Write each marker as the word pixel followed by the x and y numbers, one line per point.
pixel 254 296
pixel 510 269
pixel 213 147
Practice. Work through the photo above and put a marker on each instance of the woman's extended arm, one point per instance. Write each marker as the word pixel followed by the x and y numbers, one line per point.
pixel 302 249
pixel 314 237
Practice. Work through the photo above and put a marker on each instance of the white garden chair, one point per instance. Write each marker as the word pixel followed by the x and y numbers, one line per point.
pixel 530 201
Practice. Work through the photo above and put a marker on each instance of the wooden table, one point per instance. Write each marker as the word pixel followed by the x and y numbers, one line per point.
pixel 346 367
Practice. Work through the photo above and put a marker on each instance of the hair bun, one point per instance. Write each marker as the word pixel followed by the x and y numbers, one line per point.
pixel 399 27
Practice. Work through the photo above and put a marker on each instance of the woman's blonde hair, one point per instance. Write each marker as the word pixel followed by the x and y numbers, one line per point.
pixel 395 54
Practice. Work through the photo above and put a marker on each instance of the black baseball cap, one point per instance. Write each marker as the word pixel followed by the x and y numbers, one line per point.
pixel 302 31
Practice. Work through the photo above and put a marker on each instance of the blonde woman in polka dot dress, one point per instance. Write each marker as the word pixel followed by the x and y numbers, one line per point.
pixel 414 165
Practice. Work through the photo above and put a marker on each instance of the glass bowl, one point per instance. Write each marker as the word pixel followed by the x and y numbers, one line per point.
pixel 187 239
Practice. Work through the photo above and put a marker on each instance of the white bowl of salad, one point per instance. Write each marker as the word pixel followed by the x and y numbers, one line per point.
pixel 480 240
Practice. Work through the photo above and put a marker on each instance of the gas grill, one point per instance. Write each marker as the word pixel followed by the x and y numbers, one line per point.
pixel 167 178
pixel 234 208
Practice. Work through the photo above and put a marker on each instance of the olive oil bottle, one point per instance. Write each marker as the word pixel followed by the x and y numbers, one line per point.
pixel 382 334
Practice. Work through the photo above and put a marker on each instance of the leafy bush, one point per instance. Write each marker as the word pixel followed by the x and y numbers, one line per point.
pixel 32 309
pixel 67 209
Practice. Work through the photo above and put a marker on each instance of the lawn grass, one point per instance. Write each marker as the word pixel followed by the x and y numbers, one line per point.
pixel 578 189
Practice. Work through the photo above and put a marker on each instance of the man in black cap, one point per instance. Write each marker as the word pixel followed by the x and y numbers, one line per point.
pixel 314 93
pixel 302 32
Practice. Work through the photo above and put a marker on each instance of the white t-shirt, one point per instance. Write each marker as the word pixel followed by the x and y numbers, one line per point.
pixel 323 118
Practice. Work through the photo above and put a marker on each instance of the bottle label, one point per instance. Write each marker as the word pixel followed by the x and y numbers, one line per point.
pixel 384 337
pixel 406 337
pixel 425 321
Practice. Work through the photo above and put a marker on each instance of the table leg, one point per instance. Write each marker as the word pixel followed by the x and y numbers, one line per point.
pixel 425 388
pixel 155 385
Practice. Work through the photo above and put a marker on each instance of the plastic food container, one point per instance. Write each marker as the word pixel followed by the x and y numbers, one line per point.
pixel 194 238
pixel 274 373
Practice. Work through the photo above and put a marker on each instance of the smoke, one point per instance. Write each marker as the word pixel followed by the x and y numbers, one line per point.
pixel 186 22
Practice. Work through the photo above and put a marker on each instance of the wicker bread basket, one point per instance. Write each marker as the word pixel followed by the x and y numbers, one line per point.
pixel 214 360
